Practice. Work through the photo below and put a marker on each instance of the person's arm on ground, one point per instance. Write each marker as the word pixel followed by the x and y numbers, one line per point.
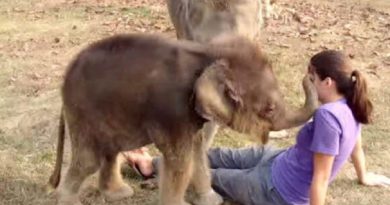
pixel 364 177
pixel 322 169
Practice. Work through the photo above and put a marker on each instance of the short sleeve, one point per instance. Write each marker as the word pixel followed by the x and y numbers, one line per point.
pixel 326 133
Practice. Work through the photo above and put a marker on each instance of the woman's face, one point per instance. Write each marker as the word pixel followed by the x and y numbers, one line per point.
pixel 323 87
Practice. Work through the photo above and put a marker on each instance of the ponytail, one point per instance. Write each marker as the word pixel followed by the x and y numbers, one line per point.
pixel 350 83
pixel 358 100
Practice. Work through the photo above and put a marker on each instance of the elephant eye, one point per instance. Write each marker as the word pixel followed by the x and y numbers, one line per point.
pixel 266 111
pixel 269 110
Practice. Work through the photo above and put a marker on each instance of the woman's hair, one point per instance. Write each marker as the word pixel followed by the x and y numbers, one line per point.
pixel 350 83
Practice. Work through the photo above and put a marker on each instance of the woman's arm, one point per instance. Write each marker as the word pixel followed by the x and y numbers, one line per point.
pixel 359 162
pixel 322 169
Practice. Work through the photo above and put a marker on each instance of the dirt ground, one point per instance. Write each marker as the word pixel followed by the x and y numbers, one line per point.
pixel 39 37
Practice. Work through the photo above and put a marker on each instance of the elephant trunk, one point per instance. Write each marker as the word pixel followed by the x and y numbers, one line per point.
pixel 293 118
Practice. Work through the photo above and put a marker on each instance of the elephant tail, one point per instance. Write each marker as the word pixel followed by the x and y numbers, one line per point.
pixel 56 175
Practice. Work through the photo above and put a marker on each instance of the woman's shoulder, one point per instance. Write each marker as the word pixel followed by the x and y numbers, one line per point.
pixel 326 118
pixel 339 107
pixel 336 113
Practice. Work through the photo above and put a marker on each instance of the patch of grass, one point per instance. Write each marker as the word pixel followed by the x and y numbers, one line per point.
pixel 142 12
pixel 46 156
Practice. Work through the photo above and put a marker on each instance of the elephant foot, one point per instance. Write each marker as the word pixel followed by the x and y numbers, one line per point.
pixel 209 198
pixel 123 192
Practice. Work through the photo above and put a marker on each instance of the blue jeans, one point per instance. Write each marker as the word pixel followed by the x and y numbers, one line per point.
pixel 243 175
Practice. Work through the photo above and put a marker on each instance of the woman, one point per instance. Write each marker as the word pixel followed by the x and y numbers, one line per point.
pixel 301 173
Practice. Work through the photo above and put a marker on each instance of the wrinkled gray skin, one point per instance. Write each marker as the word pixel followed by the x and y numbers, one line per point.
pixel 203 20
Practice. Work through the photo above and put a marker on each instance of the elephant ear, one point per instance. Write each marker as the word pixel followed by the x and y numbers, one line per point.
pixel 215 98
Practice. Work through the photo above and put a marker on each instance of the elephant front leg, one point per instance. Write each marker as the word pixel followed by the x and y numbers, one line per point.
pixel 202 193
pixel 174 174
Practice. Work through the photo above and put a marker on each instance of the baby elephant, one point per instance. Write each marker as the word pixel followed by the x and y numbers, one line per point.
pixel 128 91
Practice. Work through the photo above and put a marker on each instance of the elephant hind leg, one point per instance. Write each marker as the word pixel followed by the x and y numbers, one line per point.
pixel 83 163
pixel 110 180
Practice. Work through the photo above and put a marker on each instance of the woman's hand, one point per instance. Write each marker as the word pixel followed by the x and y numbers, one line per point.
pixel 372 179
pixel 364 177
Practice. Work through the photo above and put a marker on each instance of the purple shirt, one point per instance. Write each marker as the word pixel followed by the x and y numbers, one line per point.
pixel 333 131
